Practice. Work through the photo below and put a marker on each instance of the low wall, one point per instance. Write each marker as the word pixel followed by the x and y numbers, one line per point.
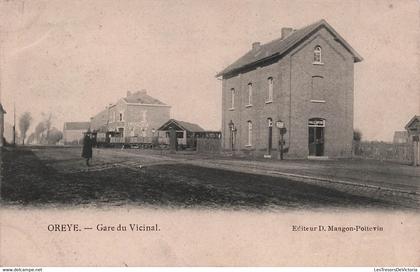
pixel 384 151
pixel 205 145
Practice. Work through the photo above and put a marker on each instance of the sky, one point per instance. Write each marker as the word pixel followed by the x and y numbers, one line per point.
pixel 72 58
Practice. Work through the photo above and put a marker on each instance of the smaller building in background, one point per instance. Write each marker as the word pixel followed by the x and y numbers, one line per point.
pixel 136 115
pixel 2 112
pixel 186 133
pixel 400 137
pixel 73 132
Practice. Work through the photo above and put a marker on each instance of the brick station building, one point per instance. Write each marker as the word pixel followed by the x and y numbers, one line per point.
pixel 136 115
pixel 303 79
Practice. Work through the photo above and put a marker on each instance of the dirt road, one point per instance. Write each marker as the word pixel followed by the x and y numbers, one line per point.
pixel 58 176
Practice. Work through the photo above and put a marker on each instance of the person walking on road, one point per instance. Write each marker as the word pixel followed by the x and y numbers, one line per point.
pixel 87 148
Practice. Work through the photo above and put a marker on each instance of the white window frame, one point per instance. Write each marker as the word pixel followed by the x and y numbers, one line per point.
pixel 232 99
pixel 317 55
pixel 121 117
pixel 249 133
pixel 250 92
pixel 270 90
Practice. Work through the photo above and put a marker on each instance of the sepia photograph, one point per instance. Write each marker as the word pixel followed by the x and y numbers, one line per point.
pixel 180 133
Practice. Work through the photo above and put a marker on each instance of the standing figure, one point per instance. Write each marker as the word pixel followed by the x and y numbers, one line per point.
pixel 87 148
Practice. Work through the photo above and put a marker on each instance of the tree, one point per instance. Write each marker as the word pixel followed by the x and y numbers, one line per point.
pixel 48 123
pixel 39 130
pixel 357 135
pixel 54 136
pixel 24 124
pixel 31 138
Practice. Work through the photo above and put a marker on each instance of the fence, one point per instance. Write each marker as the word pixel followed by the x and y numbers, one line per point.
pixel 205 145
pixel 384 151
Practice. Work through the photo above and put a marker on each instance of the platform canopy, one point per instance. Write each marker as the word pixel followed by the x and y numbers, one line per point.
pixel 181 125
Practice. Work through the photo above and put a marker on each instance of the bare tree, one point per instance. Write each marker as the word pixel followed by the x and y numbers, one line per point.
pixel 31 138
pixel 39 130
pixel 24 124
pixel 48 123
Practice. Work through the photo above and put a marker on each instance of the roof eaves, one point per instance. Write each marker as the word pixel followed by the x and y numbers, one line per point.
pixel 2 109
pixel 310 29
pixel 248 65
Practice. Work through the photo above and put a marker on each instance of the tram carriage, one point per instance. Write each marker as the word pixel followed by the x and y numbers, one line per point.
pixel 186 137
pixel 115 139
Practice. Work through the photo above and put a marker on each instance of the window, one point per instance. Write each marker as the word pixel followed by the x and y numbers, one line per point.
pixel 232 98
pixel 121 116
pixel 249 133
pixel 318 92
pixel 270 90
pixel 249 94
pixel 317 55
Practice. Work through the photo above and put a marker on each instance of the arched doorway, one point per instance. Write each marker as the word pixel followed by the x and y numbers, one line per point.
pixel 316 140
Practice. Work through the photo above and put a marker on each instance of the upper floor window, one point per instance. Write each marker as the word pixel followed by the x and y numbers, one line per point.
pixel 317 54
pixel 232 98
pixel 121 116
pixel 249 133
pixel 270 90
pixel 318 89
pixel 249 94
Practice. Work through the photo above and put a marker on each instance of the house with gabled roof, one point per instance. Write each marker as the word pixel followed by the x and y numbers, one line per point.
pixel 413 126
pixel 302 81
pixel 73 132
pixel 136 115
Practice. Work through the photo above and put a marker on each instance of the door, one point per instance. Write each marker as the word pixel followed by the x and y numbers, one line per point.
pixel 270 135
pixel 316 137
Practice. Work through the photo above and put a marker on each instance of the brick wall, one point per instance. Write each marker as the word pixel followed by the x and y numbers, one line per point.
pixel 99 120
pixel 155 117
pixel 337 74
pixel 133 118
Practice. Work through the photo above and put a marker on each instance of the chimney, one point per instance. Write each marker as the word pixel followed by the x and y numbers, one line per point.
pixel 128 93
pixel 256 46
pixel 285 31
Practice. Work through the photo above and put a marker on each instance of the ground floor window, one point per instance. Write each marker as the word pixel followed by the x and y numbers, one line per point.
pixel 249 133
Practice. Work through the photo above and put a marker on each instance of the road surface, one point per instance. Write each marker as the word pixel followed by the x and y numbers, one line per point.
pixel 58 176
